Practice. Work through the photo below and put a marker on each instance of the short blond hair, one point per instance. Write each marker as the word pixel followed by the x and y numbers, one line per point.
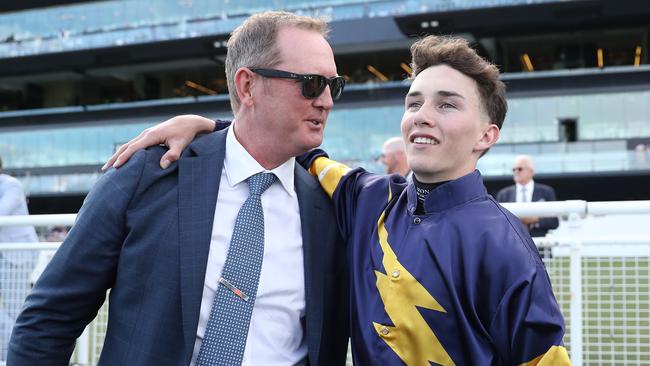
pixel 253 44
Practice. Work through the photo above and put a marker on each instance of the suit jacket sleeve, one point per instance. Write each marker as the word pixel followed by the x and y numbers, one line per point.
pixel 548 223
pixel 499 196
pixel 502 195
pixel 73 286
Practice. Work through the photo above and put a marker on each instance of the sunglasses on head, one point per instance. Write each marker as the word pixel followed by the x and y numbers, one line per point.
pixel 312 84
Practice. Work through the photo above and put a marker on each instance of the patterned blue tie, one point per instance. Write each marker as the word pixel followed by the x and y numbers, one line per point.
pixel 225 335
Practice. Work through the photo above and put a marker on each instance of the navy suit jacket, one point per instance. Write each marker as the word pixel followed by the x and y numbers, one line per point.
pixel 144 233
pixel 541 192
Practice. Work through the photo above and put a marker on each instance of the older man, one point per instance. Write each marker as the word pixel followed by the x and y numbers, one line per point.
pixel 526 189
pixel 230 256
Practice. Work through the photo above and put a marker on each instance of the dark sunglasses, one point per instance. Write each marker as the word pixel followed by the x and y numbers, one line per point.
pixel 312 85
pixel 517 169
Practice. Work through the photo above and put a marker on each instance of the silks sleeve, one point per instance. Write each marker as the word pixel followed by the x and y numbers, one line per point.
pixel 345 186
pixel 329 173
pixel 528 326
pixel 342 184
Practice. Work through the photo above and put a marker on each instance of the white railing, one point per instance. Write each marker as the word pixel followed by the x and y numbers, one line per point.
pixel 578 207
pixel 600 269
pixel 578 244
pixel 82 352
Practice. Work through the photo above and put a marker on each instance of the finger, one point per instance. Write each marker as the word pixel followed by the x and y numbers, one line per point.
pixel 148 137
pixel 123 147
pixel 132 148
pixel 112 159
pixel 170 157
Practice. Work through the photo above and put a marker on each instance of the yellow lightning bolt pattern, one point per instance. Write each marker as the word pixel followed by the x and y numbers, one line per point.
pixel 411 337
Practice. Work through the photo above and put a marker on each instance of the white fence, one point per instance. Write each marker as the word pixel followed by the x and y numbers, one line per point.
pixel 599 266
pixel 600 275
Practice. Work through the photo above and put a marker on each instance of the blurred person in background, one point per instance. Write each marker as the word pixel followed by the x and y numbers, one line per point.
pixel 393 157
pixel 55 234
pixel 526 189
pixel 183 250
pixel 440 272
pixel 15 266
pixel 640 156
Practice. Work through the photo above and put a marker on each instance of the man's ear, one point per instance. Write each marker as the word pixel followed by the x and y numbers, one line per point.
pixel 489 137
pixel 244 82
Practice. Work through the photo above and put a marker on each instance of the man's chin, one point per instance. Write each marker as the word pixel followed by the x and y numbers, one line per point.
pixel 305 148
pixel 417 165
pixel 314 143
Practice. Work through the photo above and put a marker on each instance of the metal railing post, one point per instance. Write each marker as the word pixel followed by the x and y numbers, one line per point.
pixel 575 310
pixel 83 348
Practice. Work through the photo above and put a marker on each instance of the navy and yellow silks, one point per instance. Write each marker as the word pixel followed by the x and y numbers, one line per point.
pixel 461 285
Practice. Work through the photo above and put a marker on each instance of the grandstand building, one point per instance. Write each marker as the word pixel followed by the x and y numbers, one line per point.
pixel 78 78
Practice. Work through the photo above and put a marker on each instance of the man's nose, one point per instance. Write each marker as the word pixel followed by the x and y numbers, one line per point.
pixel 324 100
pixel 423 118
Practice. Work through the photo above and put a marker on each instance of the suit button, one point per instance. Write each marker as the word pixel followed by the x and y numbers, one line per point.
pixel 417 220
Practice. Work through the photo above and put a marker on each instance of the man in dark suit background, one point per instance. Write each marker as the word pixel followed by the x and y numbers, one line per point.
pixel 159 239
pixel 526 189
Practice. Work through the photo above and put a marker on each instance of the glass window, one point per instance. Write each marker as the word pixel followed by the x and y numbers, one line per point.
pixel 355 136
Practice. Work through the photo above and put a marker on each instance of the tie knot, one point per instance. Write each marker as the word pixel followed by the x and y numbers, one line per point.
pixel 260 182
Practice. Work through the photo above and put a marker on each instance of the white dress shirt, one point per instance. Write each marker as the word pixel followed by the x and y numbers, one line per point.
pixel 530 186
pixel 275 336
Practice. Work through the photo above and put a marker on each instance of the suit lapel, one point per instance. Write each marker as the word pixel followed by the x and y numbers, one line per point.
pixel 311 211
pixel 537 193
pixel 198 186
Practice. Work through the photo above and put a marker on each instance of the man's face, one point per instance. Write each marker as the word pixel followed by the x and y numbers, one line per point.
pixel 295 122
pixel 522 171
pixel 443 124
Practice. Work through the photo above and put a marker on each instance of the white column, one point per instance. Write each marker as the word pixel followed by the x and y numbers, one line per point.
pixel 576 290
pixel 83 348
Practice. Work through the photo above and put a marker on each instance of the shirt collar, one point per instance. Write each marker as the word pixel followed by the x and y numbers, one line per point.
pixel 453 193
pixel 239 165
pixel 529 186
